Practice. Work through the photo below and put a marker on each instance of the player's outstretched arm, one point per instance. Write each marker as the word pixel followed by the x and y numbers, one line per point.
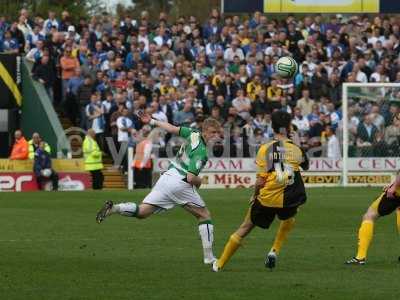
pixel 146 119
pixel 260 182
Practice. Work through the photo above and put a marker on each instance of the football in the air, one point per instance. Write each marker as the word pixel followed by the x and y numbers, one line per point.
pixel 286 67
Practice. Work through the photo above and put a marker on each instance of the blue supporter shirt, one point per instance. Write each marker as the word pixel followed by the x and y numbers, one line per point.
pixel 10 44
pixel 74 83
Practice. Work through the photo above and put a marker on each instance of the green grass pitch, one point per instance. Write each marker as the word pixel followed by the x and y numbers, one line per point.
pixel 51 248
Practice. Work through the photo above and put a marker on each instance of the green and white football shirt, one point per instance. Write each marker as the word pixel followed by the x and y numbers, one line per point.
pixel 192 155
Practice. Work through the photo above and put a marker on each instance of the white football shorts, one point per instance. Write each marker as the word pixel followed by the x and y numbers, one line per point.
pixel 170 190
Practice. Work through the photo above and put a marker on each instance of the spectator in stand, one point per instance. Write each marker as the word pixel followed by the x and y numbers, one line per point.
pixel 316 129
pixel 392 137
pixel 156 113
pixel 274 95
pixel 95 117
pixel 184 117
pixel 71 103
pixel 302 80
pixel 254 87
pixel 109 107
pixel 333 147
pixel 379 146
pixel 33 38
pixel 319 83
pixel 69 65
pixel 42 167
pixel 223 106
pixel 233 51
pixel 335 89
pixel 242 105
pixel 300 121
pixel 18 36
pixel 305 104
pixel 366 133
pixel 334 116
pixel 83 95
pixel 50 23
pixel 44 73
pixel 216 114
pixel 10 44
pixel 36 53
pixel 209 102
pixel 113 123
pixel 20 149
pixel 125 126
pixel 377 119
pixel 166 108
pixel 360 75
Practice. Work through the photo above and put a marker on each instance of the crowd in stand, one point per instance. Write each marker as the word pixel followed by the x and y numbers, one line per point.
pixel 106 69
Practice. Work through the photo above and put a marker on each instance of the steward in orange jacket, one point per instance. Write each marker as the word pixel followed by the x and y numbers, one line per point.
pixel 20 148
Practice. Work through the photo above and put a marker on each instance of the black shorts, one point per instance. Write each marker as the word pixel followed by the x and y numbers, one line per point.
pixel 385 206
pixel 262 216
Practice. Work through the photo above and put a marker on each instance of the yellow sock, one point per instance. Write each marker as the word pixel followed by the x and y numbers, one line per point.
pixel 284 228
pixel 364 238
pixel 398 220
pixel 230 249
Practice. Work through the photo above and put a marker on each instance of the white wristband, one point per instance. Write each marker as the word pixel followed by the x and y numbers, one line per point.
pixel 152 122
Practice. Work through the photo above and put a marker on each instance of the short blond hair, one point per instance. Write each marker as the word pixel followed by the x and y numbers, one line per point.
pixel 210 122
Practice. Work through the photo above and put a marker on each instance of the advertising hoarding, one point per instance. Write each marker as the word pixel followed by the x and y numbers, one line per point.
pixel 321 6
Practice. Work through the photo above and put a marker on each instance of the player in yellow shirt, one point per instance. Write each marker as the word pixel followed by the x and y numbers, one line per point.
pixel 279 191
pixel 384 205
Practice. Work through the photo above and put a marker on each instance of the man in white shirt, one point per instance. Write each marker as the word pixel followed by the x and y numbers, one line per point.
pixel 124 125
pixel 333 147
pixel 72 34
pixel 233 51
pixel 157 113
pixel 301 122
pixel 142 37
pixel 360 75
pixel 377 119
pixel 95 114
pixel 36 53
pixel 274 50
pixel 242 105
pixel 162 38
pixel 379 75
pixel 50 22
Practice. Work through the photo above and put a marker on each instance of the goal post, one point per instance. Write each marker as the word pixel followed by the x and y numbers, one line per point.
pixel 372 105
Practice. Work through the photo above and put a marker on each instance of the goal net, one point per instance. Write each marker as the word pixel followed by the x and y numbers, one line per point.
pixel 370 133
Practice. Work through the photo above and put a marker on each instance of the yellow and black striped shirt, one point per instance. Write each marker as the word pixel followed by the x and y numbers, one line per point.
pixel 279 163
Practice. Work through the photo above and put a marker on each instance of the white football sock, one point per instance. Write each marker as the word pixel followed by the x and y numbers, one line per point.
pixel 128 209
pixel 206 232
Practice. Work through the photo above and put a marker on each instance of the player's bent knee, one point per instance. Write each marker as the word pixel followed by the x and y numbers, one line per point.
pixel 204 215
pixel 201 213
pixel 370 215
pixel 145 211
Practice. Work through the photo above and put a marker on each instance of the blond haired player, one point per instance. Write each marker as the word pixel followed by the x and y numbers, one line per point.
pixel 177 186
